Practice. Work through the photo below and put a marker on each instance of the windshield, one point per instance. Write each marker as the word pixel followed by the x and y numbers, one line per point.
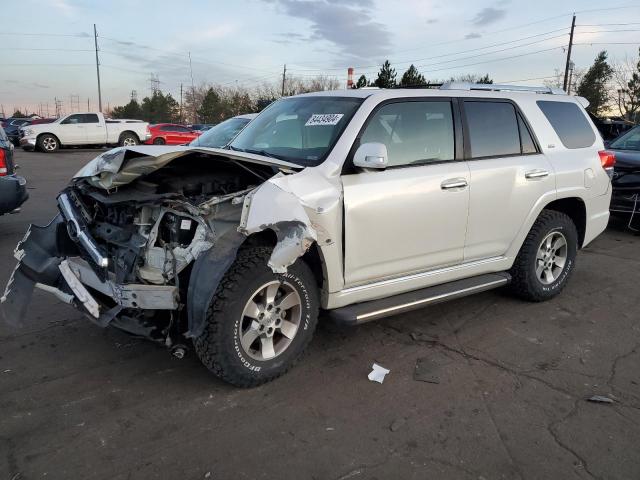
pixel 221 134
pixel 628 141
pixel 299 130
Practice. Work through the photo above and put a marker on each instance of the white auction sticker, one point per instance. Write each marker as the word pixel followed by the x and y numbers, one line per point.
pixel 324 119
pixel 185 225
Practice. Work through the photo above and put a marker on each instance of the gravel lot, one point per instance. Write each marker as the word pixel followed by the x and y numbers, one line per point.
pixel 78 402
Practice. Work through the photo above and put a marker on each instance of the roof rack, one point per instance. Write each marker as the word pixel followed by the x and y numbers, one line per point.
pixel 491 87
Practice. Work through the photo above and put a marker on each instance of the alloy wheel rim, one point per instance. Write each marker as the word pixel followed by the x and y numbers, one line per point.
pixel 551 258
pixel 270 320
pixel 129 142
pixel 49 143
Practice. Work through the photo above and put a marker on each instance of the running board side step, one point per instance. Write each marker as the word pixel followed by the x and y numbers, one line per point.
pixel 405 302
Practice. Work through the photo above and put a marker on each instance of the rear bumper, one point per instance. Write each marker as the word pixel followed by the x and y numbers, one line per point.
pixel 13 193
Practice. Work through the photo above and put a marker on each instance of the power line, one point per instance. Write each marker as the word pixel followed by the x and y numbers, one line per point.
pixel 50 49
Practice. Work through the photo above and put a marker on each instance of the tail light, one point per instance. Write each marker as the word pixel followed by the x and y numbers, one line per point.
pixel 608 161
pixel 4 170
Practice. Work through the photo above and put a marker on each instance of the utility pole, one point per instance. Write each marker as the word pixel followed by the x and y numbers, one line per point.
pixel 566 68
pixel 95 39
pixel 571 67
pixel 88 106
pixel 284 77
pixel 193 92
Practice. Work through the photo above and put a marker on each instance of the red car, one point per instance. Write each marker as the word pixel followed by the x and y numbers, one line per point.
pixel 171 134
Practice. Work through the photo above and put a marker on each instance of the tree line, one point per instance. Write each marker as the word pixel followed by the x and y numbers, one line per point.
pixel 609 88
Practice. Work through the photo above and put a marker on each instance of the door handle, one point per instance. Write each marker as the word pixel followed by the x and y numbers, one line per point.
pixel 533 174
pixel 453 183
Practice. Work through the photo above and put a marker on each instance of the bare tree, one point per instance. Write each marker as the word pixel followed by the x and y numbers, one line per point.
pixel 626 92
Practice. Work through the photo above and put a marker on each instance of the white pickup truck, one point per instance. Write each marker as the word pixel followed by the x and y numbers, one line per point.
pixel 83 129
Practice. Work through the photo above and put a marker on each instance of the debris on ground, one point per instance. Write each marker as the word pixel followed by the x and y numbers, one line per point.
pixel 600 399
pixel 378 373
pixel 397 424
pixel 423 337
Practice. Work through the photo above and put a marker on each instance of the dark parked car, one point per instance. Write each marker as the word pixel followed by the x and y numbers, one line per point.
pixel 224 132
pixel 625 200
pixel 201 126
pixel 13 189
pixel 12 128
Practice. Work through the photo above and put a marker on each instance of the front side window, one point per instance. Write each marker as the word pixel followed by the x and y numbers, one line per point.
pixel 493 129
pixel 628 141
pixel 414 132
pixel 300 130
pixel 570 124
pixel 73 119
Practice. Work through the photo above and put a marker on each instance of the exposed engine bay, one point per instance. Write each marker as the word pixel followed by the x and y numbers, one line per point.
pixel 142 240
pixel 153 228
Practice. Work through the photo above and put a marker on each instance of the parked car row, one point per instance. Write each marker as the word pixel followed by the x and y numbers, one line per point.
pixel 13 188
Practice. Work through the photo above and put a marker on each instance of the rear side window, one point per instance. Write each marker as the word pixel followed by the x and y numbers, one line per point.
pixel 569 122
pixel 493 129
pixel 90 118
pixel 528 145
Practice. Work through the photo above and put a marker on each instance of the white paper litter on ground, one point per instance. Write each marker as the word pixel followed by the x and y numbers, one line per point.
pixel 378 373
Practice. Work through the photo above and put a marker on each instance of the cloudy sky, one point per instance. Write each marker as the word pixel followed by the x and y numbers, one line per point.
pixel 47 50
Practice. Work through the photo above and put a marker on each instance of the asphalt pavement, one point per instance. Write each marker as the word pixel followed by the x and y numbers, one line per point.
pixel 500 391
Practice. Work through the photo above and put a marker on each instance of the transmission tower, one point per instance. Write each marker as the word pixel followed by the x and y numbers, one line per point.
pixel 154 83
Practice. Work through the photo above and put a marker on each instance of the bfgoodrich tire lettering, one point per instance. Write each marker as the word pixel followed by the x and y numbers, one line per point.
pixel 220 347
pixel 528 267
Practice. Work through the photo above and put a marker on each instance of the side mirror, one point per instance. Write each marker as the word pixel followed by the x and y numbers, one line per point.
pixel 371 155
pixel 607 143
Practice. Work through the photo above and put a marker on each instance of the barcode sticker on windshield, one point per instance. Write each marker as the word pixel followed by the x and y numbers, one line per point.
pixel 324 119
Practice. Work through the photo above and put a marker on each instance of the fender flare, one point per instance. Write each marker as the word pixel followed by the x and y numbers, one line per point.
pixel 206 274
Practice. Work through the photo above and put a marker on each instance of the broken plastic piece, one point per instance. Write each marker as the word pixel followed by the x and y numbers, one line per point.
pixel 600 399
pixel 378 373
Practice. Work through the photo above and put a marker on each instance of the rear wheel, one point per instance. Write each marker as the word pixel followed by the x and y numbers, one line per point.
pixel 259 323
pixel 159 141
pixel 48 143
pixel 547 257
pixel 128 140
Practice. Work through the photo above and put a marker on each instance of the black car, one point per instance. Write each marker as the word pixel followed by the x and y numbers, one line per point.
pixel 13 189
pixel 625 200
pixel 12 128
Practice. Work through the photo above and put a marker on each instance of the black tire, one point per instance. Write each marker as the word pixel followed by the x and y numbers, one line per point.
pixel 525 282
pixel 219 347
pixel 128 138
pixel 48 143
pixel 159 141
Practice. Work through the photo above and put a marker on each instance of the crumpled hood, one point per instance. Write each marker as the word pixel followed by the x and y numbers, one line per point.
pixel 123 165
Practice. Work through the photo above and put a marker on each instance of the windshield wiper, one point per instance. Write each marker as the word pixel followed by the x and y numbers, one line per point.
pixel 262 152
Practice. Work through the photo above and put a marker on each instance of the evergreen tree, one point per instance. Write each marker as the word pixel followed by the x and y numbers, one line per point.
pixel 386 76
pixel 362 82
pixel 412 78
pixel 18 114
pixel 159 108
pixel 130 110
pixel 212 109
pixel 593 85
pixel 485 79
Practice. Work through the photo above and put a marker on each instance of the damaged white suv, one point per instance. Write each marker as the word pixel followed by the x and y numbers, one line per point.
pixel 362 203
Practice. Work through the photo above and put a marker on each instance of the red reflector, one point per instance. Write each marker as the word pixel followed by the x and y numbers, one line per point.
pixel 3 164
pixel 607 159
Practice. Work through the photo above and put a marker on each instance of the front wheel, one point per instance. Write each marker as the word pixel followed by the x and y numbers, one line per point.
pixel 259 323
pixel 159 141
pixel 48 143
pixel 547 257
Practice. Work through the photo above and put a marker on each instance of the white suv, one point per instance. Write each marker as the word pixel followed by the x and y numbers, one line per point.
pixel 363 203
